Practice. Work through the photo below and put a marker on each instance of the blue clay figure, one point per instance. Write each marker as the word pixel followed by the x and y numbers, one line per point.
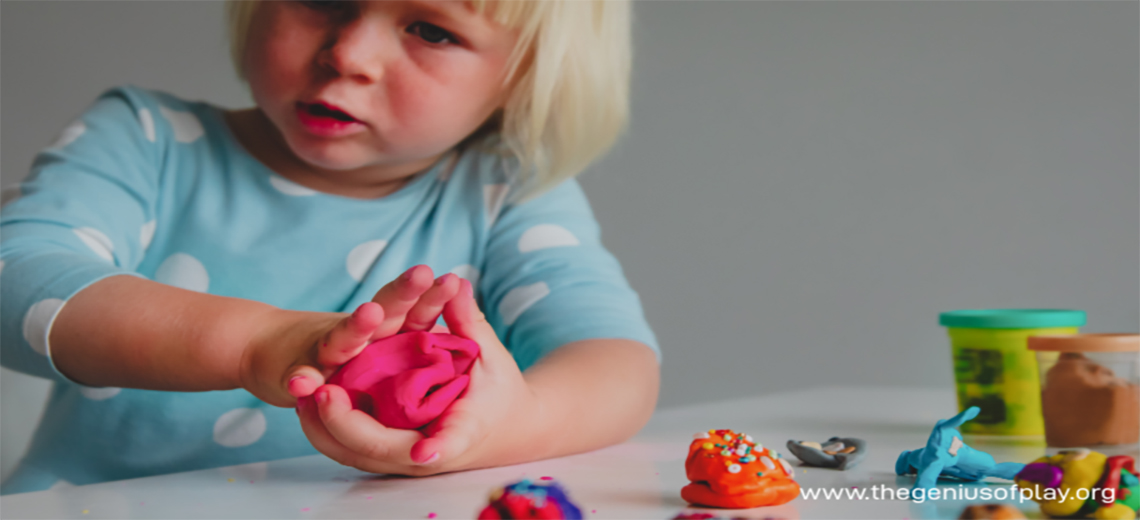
pixel 947 455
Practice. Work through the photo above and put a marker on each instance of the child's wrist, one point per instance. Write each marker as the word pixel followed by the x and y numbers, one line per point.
pixel 242 331
pixel 532 435
pixel 274 340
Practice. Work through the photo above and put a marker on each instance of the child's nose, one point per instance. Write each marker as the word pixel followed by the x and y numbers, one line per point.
pixel 358 50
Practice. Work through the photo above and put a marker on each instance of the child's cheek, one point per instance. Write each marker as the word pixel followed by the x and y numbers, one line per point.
pixel 279 49
pixel 469 84
pixel 288 54
pixel 440 95
pixel 411 95
pixel 428 116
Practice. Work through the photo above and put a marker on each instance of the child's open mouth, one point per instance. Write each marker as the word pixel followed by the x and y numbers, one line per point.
pixel 326 120
pixel 322 110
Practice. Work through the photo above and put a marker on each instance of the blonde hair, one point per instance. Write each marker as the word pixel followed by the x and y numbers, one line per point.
pixel 568 81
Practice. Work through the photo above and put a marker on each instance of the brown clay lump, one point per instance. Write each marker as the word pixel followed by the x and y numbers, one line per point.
pixel 1085 404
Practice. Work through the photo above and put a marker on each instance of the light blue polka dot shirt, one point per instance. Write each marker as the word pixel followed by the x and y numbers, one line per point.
pixel 146 184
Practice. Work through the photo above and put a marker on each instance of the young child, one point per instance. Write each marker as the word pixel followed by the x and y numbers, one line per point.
pixel 182 271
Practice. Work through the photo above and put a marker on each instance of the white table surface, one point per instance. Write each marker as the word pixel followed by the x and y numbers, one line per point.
pixel 641 478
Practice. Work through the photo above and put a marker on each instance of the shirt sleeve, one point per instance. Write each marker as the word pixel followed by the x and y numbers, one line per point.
pixel 85 212
pixel 548 281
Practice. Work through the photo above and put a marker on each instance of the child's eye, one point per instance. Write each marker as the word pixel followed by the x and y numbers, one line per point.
pixel 433 34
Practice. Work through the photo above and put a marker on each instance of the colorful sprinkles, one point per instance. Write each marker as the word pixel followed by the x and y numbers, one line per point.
pixel 739 451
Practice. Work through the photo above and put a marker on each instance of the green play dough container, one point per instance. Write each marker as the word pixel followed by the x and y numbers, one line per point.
pixel 994 369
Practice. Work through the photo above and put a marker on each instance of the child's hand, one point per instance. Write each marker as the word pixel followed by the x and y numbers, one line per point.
pixel 297 350
pixel 483 427
pixel 489 424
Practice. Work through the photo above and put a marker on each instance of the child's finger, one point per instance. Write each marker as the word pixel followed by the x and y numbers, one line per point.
pixel 325 443
pixel 464 318
pixel 399 296
pixel 351 335
pixel 359 432
pixel 303 381
pixel 426 311
pixel 455 435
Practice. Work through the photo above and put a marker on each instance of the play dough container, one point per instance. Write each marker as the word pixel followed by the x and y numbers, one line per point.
pixel 995 371
pixel 1090 388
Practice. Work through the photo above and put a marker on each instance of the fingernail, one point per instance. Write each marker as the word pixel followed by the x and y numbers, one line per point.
pixel 434 457
pixel 407 276
pixel 322 396
pixel 294 379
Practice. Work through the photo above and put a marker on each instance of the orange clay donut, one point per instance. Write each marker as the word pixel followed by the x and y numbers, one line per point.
pixel 727 469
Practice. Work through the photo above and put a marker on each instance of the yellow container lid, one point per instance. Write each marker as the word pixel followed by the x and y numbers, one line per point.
pixel 1087 343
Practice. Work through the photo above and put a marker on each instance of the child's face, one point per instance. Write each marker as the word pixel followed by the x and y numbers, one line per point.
pixel 385 85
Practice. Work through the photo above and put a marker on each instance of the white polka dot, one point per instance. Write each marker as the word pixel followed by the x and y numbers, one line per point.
pixel 97 241
pixel 289 187
pixel 187 128
pixel 361 258
pixel 146 234
pixel 62 484
pixel 787 467
pixel 543 236
pixel 183 270
pixel 99 394
pixel 239 427
pixel 519 299
pixel 69 134
pixel 10 194
pixel 494 195
pixel 37 323
pixel 147 122
pixel 467 272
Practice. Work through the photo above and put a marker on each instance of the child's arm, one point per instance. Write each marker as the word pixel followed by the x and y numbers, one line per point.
pixel 601 390
pixel 130 332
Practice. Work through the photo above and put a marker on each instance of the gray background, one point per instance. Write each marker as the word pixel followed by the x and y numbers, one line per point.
pixel 803 188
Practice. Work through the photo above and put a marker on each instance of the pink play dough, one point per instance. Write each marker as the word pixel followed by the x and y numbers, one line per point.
pixel 407 380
